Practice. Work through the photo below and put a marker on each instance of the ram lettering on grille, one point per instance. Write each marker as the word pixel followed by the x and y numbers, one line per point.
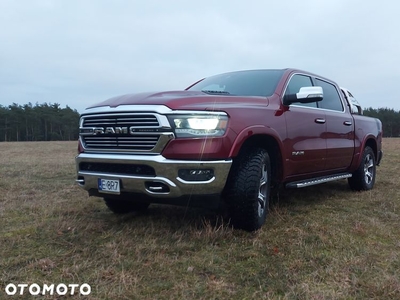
pixel 120 132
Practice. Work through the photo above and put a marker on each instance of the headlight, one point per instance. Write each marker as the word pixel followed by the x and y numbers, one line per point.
pixel 199 125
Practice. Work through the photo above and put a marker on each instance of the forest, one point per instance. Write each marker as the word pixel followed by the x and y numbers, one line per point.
pixel 39 122
pixel 390 120
pixel 50 122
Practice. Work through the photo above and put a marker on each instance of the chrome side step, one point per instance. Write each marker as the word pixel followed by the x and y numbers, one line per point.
pixel 317 180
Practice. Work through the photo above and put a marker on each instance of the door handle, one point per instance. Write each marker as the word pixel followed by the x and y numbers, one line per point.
pixel 320 121
pixel 348 123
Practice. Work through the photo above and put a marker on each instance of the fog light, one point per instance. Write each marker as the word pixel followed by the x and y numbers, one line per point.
pixel 196 174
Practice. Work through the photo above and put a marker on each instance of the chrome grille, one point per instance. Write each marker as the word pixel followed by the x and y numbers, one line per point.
pixel 121 132
pixel 139 121
pixel 136 142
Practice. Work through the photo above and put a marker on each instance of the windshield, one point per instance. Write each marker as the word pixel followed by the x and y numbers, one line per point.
pixel 243 83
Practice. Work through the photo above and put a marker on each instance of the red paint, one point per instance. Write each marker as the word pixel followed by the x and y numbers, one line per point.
pixel 307 147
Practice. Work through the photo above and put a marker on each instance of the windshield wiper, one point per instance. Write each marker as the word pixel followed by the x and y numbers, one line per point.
pixel 215 92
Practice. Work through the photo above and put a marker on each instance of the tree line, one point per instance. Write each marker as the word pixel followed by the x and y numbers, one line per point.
pixel 39 122
pixel 50 122
pixel 390 120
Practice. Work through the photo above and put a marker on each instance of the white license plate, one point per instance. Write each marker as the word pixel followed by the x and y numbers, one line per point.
pixel 109 186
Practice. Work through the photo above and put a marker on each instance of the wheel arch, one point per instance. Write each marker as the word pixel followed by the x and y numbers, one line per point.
pixel 364 176
pixel 369 141
pixel 258 137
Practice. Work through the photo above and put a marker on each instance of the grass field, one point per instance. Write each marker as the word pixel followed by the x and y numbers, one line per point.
pixel 322 242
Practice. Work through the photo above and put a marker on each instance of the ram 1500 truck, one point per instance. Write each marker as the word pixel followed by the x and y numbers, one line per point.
pixel 229 139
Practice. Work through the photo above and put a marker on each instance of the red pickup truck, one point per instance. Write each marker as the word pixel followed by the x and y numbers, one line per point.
pixel 228 138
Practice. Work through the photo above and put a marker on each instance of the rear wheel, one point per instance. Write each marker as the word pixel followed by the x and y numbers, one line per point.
pixel 248 189
pixel 118 206
pixel 364 177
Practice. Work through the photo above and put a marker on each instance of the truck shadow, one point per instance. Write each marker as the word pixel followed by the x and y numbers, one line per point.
pixel 174 218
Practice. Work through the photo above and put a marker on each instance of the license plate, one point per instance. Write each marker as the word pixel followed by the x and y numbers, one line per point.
pixel 109 186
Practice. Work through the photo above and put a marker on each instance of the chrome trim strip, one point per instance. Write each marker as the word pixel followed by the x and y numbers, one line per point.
pixel 159 109
pixel 195 182
pixel 112 176
pixel 310 182
pixel 317 108
pixel 145 159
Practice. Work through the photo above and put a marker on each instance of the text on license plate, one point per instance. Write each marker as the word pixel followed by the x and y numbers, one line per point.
pixel 109 186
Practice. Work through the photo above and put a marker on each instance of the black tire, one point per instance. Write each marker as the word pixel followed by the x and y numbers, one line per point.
pixel 363 178
pixel 118 206
pixel 248 189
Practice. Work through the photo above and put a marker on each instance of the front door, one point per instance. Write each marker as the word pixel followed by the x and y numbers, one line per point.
pixel 305 146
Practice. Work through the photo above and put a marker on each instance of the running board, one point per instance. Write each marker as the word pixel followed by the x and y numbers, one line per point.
pixel 317 180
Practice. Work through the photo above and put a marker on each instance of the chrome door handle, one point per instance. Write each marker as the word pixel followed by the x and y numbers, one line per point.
pixel 320 121
pixel 348 123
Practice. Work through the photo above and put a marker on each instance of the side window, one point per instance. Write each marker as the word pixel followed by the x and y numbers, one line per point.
pixel 295 83
pixel 331 96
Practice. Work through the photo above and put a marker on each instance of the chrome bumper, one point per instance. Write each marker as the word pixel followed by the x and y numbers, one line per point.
pixel 166 174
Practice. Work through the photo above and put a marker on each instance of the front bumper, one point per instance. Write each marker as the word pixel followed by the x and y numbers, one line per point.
pixel 166 175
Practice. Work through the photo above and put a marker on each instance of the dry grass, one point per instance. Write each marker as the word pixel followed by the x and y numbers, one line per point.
pixel 322 242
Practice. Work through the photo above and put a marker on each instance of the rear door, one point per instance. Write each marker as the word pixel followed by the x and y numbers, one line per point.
pixel 339 127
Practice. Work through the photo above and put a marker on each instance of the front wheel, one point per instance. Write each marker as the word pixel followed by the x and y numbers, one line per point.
pixel 364 177
pixel 119 206
pixel 248 189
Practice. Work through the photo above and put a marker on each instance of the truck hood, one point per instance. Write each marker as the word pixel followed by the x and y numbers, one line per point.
pixel 183 100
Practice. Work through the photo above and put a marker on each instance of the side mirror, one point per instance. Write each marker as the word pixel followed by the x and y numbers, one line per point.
pixel 355 107
pixel 306 94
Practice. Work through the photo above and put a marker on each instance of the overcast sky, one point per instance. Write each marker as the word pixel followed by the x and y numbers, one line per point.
pixel 77 52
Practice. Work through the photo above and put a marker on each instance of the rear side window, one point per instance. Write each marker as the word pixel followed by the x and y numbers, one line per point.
pixel 296 82
pixel 331 99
